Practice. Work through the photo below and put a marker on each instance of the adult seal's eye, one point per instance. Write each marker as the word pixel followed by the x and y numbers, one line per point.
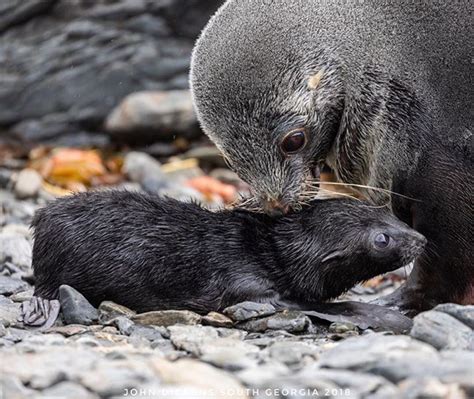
pixel 293 142
pixel 382 240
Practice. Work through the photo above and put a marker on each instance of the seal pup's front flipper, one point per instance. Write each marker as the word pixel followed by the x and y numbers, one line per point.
pixel 363 315
pixel 40 312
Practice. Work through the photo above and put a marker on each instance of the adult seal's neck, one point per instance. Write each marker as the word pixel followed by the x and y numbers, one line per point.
pixel 381 129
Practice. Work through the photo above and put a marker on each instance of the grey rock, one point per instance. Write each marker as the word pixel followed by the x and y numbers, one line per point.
pixel 45 339
pixel 209 155
pixel 124 325
pixel 149 333
pixel 28 183
pixel 229 354
pixel 397 358
pixel 167 318
pixel 191 338
pixel 112 378
pixel 85 57
pixel 146 116
pixel 249 310
pixel 139 166
pixel 9 311
pixel 75 308
pixel 217 320
pixel 16 11
pixel 12 387
pixel 70 330
pixel 68 389
pixel 9 285
pixel 15 248
pixel 429 388
pixel 442 331
pixel 288 320
pixel 258 375
pixel 231 333
pixel 341 328
pixel 22 296
pixel 108 311
pixel 464 314
pixel 291 353
pixel 355 383
pixel 17 335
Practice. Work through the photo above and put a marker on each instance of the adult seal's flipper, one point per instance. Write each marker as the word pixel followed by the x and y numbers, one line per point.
pixel 39 312
pixel 363 315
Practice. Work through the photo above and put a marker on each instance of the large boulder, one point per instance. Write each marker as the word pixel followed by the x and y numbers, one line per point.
pixel 147 116
pixel 66 64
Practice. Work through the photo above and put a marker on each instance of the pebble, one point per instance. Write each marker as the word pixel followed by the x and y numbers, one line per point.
pixel 442 331
pixel 124 324
pixel 249 310
pixel 217 320
pixel 68 389
pixel 204 377
pixel 9 285
pixel 191 338
pixel 464 314
pixel 22 296
pixel 108 311
pixel 139 166
pixel 341 328
pixel 291 352
pixel 288 320
pixel 358 384
pixel 9 311
pixel 15 248
pixel 229 354
pixel 69 330
pixel 430 388
pixel 149 333
pixel 28 184
pixel 75 308
pixel 258 375
pixel 167 318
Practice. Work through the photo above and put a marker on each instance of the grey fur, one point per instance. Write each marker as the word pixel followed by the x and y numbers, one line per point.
pixel 393 108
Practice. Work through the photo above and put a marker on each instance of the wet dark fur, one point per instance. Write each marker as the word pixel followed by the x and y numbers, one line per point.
pixel 392 110
pixel 150 253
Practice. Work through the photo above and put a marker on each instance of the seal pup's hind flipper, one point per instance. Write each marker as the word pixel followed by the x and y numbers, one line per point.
pixel 40 312
pixel 363 315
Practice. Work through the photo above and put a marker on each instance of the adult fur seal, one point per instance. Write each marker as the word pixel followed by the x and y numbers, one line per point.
pixel 381 91
pixel 149 253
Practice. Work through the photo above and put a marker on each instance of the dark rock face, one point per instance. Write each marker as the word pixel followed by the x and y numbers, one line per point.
pixel 64 64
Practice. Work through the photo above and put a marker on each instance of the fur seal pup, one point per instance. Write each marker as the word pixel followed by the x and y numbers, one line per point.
pixel 380 91
pixel 149 253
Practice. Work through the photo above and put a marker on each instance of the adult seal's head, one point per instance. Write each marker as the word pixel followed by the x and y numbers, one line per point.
pixel 267 94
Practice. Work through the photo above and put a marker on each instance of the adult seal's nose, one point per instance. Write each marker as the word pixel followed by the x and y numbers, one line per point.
pixel 275 208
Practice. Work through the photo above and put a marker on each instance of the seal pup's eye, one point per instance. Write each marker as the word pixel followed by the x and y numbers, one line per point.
pixel 381 240
pixel 293 142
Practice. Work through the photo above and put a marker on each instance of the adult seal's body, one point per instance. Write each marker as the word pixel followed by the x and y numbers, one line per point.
pixel 149 253
pixel 380 91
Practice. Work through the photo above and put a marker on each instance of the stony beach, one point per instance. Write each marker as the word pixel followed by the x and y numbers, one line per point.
pixel 95 94
pixel 250 351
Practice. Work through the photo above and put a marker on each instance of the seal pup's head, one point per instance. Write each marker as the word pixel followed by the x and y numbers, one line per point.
pixel 334 244
pixel 269 97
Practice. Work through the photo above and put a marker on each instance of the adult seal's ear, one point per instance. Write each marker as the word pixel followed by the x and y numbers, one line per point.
pixel 384 95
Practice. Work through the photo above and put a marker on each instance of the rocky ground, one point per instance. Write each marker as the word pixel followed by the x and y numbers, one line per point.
pixel 250 351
